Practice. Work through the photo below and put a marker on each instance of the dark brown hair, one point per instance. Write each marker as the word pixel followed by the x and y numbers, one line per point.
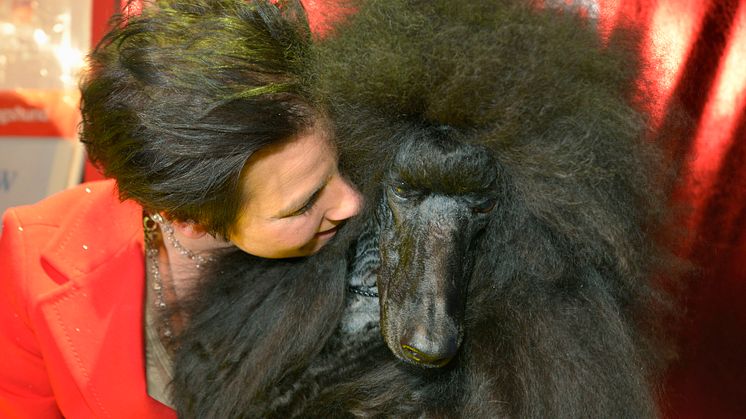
pixel 177 98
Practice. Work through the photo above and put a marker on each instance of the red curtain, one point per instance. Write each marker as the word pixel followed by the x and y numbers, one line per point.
pixel 697 52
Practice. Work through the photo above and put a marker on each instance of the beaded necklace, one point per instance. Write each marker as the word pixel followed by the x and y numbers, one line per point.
pixel 155 227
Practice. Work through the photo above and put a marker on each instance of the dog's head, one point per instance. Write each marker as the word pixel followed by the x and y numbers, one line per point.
pixel 437 198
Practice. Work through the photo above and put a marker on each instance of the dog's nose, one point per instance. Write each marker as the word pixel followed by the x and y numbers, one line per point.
pixel 429 354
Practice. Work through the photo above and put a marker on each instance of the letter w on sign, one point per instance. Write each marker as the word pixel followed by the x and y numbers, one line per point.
pixel 7 177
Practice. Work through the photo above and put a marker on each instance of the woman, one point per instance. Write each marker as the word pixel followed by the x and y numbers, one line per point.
pixel 195 109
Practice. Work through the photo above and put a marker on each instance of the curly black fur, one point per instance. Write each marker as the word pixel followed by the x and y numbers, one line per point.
pixel 555 193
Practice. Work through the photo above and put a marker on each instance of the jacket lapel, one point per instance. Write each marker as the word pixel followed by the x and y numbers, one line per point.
pixel 95 318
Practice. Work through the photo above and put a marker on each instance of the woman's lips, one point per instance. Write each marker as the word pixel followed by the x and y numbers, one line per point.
pixel 328 233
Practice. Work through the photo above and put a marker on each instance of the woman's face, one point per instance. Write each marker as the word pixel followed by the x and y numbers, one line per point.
pixel 295 198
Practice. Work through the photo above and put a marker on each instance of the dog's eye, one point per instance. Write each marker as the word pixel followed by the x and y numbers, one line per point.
pixel 400 190
pixel 485 206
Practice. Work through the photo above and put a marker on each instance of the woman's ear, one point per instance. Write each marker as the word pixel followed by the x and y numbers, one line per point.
pixel 189 229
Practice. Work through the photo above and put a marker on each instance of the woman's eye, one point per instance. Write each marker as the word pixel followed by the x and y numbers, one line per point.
pixel 485 206
pixel 305 209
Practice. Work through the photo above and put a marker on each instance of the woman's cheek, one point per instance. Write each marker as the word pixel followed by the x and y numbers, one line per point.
pixel 300 231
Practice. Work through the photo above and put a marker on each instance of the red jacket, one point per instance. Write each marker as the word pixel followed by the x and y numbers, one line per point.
pixel 71 308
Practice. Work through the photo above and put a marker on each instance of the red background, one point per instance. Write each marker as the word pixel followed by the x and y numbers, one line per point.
pixel 699 48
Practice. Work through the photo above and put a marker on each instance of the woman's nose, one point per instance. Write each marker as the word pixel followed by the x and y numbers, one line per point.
pixel 348 201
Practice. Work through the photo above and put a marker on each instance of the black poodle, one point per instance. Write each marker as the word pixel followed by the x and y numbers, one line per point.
pixel 509 262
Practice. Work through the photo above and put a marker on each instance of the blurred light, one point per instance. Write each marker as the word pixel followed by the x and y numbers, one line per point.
pixel 674 25
pixel 68 80
pixel 41 37
pixel 7 28
pixel 732 78
pixel 716 132
pixel 723 108
pixel 71 61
